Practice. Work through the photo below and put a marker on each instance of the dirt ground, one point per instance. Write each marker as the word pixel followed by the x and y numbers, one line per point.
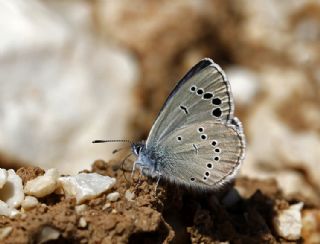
pixel 241 213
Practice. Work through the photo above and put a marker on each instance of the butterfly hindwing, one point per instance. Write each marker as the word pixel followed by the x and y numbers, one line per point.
pixel 203 94
pixel 204 154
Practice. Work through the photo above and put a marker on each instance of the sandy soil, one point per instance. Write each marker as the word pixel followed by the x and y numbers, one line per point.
pixel 241 213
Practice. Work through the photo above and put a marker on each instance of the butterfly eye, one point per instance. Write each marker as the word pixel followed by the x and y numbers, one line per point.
pixel 217 150
pixel 200 129
pixel 209 165
pixel 138 149
pixel 216 158
pixel 179 138
pixel 192 179
pixel 214 143
pixel 207 173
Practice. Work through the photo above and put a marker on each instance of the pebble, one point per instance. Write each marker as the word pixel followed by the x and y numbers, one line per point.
pixel 106 206
pixel 5 209
pixel 5 231
pixel 129 195
pixel 12 191
pixel 48 233
pixel 287 223
pixel 3 177
pixel 113 196
pixel 81 208
pixel 85 186
pixel 82 222
pixel 29 202
pixel 42 185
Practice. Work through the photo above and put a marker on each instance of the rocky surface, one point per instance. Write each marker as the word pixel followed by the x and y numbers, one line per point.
pixel 60 85
pixel 248 211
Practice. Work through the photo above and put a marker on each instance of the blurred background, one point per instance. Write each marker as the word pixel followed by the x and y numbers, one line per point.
pixel 74 71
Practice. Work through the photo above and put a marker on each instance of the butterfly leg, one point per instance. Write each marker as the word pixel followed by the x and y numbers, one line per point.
pixel 133 168
pixel 158 180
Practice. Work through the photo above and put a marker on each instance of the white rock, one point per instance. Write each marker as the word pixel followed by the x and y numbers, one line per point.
pixel 129 195
pixel 12 191
pixel 287 223
pixel 80 208
pixel 14 213
pixel 113 196
pixel 86 186
pixel 60 99
pixel 29 202
pixel 82 222
pixel 106 206
pixel 43 185
pixel 6 210
pixel 3 177
pixel 48 233
pixel 5 231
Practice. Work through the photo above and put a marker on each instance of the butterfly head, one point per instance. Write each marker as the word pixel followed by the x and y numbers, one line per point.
pixel 137 148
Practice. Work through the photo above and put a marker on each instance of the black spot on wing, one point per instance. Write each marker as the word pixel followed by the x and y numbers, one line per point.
pixel 217 112
pixel 184 109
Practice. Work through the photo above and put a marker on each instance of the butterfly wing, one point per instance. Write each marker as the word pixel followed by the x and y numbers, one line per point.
pixel 203 92
pixel 203 155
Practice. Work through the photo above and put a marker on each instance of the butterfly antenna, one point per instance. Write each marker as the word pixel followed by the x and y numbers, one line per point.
pixel 104 141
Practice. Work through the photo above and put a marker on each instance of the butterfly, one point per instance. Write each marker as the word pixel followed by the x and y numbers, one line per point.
pixel 195 141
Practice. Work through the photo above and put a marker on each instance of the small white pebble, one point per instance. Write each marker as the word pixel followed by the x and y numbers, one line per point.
pixel 42 185
pixel 85 186
pixel 114 211
pixel 14 213
pixel 81 208
pixel 106 206
pixel 3 177
pixel 5 209
pixel 82 222
pixel 12 191
pixel 129 195
pixel 113 196
pixel 287 223
pixel 48 233
pixel 5 231
pixel 29 202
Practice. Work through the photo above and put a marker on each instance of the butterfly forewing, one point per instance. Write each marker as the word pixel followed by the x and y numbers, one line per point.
pixel 204 154
pixel 203 94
